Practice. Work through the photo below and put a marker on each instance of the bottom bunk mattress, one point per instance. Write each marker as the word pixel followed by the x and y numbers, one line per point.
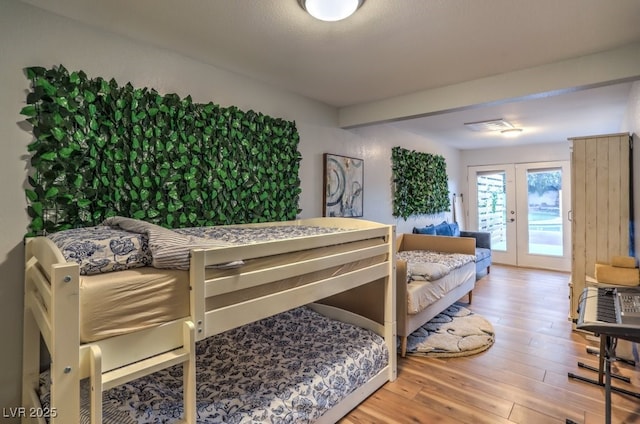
pixel 289 368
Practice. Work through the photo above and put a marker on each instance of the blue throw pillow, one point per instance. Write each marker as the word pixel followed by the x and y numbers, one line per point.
pixel 443 229
pixel 429 229
pixel 455 229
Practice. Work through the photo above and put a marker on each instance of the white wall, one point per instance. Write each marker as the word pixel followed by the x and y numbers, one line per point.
pixel 373 144
pixel 515 154
pixel 31 37
pixel 376 151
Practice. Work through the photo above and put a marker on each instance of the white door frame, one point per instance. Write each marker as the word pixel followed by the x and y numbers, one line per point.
pixel 538 260
pixel 516 230
pixel 508 255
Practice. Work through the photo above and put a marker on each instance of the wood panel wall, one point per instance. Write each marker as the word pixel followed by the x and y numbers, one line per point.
pixel 600 209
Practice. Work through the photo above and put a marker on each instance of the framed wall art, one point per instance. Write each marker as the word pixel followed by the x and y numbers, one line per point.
pixel 343 186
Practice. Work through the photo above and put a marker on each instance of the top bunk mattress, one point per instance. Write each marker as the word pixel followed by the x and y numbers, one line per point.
pixel 122 302
pixel 125 243
pixel 120 292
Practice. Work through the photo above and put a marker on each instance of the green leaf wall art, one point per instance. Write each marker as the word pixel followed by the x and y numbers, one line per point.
pixel 101 150
pixel 420 183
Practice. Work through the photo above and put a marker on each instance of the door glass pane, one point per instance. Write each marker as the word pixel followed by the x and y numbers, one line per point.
pixel 492 210
pixel 545 212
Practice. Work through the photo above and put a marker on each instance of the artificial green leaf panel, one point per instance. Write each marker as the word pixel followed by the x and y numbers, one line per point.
pixel 102 150
pixel 420 181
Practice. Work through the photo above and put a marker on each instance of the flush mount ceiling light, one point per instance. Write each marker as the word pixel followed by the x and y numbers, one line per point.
pixel 506 128
pixel 490 125
pixel 511 132
pixel 330 10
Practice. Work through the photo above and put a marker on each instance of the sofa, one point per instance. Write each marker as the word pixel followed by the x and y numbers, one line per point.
pixel 483 241
pixel 418 301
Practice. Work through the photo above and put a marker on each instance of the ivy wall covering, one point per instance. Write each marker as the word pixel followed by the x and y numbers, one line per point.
pixel 102 150
pixel 420 183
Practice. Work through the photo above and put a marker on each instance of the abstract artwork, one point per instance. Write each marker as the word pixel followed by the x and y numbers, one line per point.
pixel 343 186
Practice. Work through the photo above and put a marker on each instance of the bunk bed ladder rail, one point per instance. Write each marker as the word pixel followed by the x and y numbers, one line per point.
pixel 390 321
pixel 51 308
pixel 104 380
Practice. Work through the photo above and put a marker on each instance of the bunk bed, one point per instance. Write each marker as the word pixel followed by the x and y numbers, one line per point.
pixel 228 285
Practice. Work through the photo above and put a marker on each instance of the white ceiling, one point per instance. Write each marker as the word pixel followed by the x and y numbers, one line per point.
pixel 391 48
pixel 543 120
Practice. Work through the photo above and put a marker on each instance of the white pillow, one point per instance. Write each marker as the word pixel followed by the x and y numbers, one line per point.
pixel 426 271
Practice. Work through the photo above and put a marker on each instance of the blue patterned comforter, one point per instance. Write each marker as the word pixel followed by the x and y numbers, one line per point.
pixel 106 248
pixel 289 368
pixel 450 260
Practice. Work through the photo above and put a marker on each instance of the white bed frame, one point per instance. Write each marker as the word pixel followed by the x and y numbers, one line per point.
pixel 52 303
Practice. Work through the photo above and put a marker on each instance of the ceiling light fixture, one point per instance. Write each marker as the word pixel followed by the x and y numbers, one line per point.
pixel 489 125
pixel 330 10
pixel 512 132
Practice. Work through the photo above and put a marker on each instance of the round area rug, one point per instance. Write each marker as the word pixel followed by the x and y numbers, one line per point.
pixel 455 332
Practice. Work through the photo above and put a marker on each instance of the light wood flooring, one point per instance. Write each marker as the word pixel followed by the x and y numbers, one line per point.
pixel 522 378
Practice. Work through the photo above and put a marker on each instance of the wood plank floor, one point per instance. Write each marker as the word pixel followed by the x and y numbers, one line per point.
pixel 522 378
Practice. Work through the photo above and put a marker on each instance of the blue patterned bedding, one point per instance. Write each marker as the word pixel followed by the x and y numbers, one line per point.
pixel 289 368
pixel 450 260
pixel 105 248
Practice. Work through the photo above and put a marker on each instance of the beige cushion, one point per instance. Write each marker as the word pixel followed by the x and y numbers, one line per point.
pixel 617 276
pixel 623 261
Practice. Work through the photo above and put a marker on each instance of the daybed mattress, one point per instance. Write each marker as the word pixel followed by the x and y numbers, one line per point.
pixel 447 271
pixel 421 294
pixel 289 368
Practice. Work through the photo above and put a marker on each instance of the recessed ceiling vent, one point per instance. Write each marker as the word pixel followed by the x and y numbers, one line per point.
pixel 490 125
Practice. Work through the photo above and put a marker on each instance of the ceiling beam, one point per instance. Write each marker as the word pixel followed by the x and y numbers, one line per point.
pixel 609 67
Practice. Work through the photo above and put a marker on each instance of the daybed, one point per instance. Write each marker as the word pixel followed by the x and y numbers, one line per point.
pixel 418 299
pixel 483 241
pixel 226 287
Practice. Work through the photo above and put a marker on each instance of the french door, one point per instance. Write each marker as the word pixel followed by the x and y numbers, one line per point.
pixel 525 208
